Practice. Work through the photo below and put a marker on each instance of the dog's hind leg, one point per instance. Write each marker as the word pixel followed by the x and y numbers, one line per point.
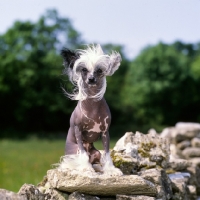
pixel 75 159
pixel 71 148
pixel 94 156
pixel 93 153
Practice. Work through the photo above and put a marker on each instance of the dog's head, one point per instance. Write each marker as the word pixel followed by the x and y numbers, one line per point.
pixel 88 68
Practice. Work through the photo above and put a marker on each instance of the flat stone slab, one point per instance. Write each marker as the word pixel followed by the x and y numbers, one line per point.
pixel 8 195
pixel 100 184
pixel 191 152
pixel 134 197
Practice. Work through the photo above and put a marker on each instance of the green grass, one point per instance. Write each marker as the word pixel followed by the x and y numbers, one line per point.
pixel 27 161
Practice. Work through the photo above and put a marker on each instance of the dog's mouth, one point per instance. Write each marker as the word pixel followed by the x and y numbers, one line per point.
pixel 92 82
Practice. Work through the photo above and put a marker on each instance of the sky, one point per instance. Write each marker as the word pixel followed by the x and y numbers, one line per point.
pixel 134 24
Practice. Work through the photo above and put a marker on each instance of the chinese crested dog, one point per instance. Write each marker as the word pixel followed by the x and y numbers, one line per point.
pixel 87 70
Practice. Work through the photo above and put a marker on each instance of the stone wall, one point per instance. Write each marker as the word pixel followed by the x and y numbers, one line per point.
pixel 184 168
pixel 155 167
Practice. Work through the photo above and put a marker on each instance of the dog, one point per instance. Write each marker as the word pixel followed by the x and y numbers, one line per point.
pixel 87 70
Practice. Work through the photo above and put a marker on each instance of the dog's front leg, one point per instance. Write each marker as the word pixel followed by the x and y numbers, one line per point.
pixel 79 139
pixel 108 166
pixel 106 145
pixel 106 142
pixel 83 156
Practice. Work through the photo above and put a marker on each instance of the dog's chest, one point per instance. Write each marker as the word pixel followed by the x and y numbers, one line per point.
pixel 95 120
pixel 99 124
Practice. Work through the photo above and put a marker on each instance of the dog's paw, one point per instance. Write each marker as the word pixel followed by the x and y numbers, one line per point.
pixel 112 171
pixel 76 164
pixel 84 164
pixel 108 167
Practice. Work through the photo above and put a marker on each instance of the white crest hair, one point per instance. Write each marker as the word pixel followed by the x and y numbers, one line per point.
pixel 76 164
pixel 90 58
pixel 79 164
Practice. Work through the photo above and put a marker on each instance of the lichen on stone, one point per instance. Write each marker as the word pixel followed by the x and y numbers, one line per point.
pixel 141 151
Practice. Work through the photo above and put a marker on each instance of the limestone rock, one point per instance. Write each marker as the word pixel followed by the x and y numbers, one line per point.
pixel 179 187
pixel 79 196
pixel 167 133
pixel 193 192
pixel 180 190
pixel 191 152
pixel 194 176
pixel 126 163
pixel 178 164
pixel 195 142
pixel 8 195
pixel 174 151
pixel 195 161
pixel 187 131
pixel 188 126
pixel 44 192
pixel 54 194
pixel 181 176
pixel 161 180
pixel 181 132
pixel 29 191
pixel 184 144
pixel 100 184
pixel 134 197
pixel 140 151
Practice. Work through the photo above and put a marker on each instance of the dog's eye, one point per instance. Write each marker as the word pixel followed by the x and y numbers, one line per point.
pixel 99 71
pixel 84 69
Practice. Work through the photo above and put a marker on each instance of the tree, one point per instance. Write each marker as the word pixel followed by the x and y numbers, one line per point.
pixel 30 72
pixel 160 86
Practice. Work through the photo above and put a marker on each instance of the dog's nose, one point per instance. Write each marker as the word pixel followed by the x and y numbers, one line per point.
pixel 91 80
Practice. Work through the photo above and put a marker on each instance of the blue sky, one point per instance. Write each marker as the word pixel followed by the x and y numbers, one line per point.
pixel 132 23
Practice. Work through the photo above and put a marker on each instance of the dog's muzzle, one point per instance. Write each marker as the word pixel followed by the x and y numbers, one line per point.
pixel 92 81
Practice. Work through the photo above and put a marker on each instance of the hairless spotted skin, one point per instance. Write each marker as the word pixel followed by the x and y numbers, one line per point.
pixel 88 122
pixel 91 118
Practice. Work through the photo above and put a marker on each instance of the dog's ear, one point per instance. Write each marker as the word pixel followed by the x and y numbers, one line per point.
pixel 114 63
pixel 69 57
pixel 99 49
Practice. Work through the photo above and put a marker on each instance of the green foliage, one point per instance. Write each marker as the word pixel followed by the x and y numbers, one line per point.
pixel 159 85
pixel 195 67
pixel 158 88
pixel 30 73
